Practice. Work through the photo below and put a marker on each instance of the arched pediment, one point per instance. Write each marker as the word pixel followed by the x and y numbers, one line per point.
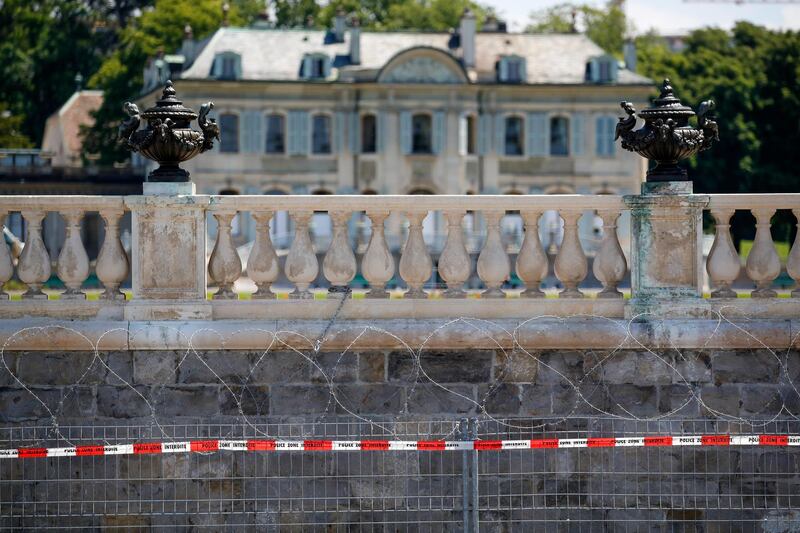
pixel 423 65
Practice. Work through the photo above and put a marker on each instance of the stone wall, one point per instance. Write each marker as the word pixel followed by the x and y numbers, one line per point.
pixel 119 385
pixel 118 397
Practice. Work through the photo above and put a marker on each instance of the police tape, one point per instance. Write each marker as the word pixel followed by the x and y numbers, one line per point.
pixel 255 445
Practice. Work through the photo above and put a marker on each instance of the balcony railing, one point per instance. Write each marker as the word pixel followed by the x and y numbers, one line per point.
pixel 170 232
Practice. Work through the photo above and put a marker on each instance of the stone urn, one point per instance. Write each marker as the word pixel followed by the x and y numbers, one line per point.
pixel 168 139
pixel 666 136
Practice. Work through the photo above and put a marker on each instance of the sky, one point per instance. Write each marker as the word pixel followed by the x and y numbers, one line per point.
pixel 668 16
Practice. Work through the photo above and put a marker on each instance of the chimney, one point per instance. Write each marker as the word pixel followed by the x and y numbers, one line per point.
pixel 355 42
pixel 225 9
pixel 467 37
pixel 187 46
pixel 339 25
pixel 629 53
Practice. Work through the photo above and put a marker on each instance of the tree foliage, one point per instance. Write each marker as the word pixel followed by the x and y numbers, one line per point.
pixel 43 45
pixel 606 27
pixel 158 29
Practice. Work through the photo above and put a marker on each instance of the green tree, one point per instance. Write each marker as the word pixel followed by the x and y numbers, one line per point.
pixel 11 135
pixel 605 26
pixel 158 29
pixel 425 15
pixel 296 13
pixel 43 45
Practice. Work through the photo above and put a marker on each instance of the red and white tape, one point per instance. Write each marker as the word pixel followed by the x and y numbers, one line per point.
pixel 399 445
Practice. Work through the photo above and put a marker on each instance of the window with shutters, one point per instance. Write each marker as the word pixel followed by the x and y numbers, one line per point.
pixel 315 66
pixel 559 136
pixel 227 66
pixel 276 134
pixel 421 134
pixel 229 133
pixel 514 137
pixel 321 134
pixel 602 69
pixel 369 136
pixel 511 69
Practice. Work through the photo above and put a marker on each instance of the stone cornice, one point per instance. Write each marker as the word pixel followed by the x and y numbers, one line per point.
pixel 539 333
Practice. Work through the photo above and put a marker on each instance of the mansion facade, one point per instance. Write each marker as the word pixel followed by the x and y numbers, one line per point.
pixel 347 111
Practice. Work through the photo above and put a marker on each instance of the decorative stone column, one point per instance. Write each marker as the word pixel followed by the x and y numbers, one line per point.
pixel 666 248
pixel 168 257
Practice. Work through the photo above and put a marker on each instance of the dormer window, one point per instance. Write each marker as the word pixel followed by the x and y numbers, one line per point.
pixel 511 69
pixel 602 69
pixel 315 67
pixel 227 66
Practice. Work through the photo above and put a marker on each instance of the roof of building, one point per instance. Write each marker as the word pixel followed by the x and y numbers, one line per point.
pixel 75 112
pixel 276 54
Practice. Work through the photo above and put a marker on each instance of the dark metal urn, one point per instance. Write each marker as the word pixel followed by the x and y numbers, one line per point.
pixel 666 136
pixel 168 140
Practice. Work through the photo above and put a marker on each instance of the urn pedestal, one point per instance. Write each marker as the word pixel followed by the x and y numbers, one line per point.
pixel 666 249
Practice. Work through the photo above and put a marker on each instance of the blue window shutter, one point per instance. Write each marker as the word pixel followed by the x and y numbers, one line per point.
pixel 614 71
pixel 251 132
pixel 355 137
pixel 578 133
pixel 463 125
pixel 339 140
pixel 303 137
pixel 291 133
pixel 327 67
pixel 604 136
pixel 537 135
pixel 216 67
pixel 523 71
pixel 405 132
pixel 503 73
pixel 305 69
pixel 439 132
pixel 484 133
pixel 500 134
pixel 380 133
pixel 610 127
pixel 298 132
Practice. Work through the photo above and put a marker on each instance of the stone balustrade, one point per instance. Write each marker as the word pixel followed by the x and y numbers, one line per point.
pixel 34 267
pixel 763 265
pixel 415 266
pixel 169 248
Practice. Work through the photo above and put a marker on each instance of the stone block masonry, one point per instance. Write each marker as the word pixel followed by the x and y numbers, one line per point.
pixel 172 384
pixel 191 395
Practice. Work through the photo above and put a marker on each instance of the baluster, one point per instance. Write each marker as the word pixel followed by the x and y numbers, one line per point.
pixel 532 261
pixel 34 262
pixel 570 265
pixel 415 263
pixel 377 264
pixel 6 264
pixel 609 264
pixel 493 264
pixel 723 263
pixel 112 261
pixel 454 263
pixel 73 263
pixel 301 266
pixel 224 266
pixel 339 265
pixel 262 265
pixel 763 264
pixel 793 261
